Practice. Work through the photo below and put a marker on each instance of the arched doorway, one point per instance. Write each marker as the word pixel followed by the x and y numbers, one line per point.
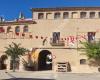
pixel 3 64
pixel 45 60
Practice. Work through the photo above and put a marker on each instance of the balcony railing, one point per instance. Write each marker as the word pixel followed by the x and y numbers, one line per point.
pixel 57 43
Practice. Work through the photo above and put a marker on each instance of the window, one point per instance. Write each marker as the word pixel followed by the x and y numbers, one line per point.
pixel 91 36
pixel 40 16
pixel 8 29
pixel 74 15
pixel 65 15
pixel 56 37
pixel 48 15
pixel 57 15
pixel 92 14
pixel 83 15
pixel 17 29
pixel 25 29
pixel 82 61
pixel 99 14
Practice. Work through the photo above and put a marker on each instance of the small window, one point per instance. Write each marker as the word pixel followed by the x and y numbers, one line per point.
pixel 83 15
pixel 92 14
pixel 91 36
pixel 40 16
pixel 17 29
pixel 65 15
pixel 57 15
pixel 48 15
pixel 99 14
pixel 74 15
pixel 82 61
pixel 25 29
pixel 56 37
pixel 8 29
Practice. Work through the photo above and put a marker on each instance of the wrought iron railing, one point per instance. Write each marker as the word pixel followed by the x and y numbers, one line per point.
pixel 57 43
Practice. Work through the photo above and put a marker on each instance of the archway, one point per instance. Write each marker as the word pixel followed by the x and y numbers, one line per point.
pixel 45 60
pixel 3 64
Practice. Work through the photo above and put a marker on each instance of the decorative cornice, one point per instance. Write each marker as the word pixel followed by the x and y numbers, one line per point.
pixel 65 9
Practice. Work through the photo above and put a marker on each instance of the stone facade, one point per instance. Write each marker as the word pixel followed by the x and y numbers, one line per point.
pixel 55 31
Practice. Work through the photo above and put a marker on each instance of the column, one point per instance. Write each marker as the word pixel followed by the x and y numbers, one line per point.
pixel 61 15
pixel 53 14
pixel 96 15
pixel 70 15
pixel 88 15
pixel 78 15
pixel 45 17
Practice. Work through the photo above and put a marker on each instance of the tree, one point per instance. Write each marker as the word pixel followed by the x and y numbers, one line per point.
pixel 29 64
pixel 92 50
pixel 15 51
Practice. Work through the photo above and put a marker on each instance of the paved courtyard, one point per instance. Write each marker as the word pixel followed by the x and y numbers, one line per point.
pixel 47 75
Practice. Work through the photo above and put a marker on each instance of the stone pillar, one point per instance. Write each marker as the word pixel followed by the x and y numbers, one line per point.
pixel 44 15
pixel 53 14
pixel 78 14
pixel 70 15
pixel 96 14
pixel 88 15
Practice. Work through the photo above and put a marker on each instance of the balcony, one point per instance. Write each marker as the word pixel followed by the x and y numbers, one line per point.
pixel 57 43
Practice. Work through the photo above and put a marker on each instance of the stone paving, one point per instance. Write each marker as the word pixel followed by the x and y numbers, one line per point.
pixel 78 76
pixel 47 75
pixel 29 75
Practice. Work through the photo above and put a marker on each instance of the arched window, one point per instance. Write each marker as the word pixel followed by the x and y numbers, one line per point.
pixel 8 29
pixel 74 14
pixel 92 14
pixel 40 16
pixel 65 15
pixel 91 36
pixel 83 15
pixel 17 29
pixel 25 29
pixel 99 14
pixel 57 15
pixel 82 61
pixel 48 15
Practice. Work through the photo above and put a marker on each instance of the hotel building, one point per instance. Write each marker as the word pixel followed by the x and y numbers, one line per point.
pixel 53 37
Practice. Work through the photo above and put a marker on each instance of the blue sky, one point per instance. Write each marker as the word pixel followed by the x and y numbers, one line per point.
pixel 10 9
